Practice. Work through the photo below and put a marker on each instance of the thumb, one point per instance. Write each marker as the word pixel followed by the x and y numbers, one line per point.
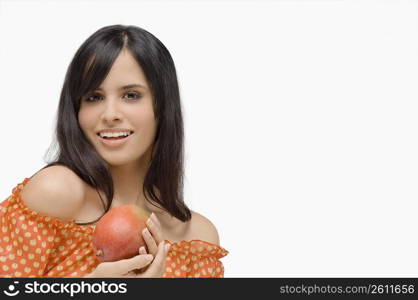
pixel 137 262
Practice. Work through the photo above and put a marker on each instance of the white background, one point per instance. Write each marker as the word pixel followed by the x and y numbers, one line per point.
pixel 301 121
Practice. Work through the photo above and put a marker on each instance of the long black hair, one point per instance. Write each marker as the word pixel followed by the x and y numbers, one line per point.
pixel 87 70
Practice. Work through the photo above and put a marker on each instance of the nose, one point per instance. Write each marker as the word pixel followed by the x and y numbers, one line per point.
pixel 111 112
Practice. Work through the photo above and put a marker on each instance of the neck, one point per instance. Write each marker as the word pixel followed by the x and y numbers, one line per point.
pixel 128 181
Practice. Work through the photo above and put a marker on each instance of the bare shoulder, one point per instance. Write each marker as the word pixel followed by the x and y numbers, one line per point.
pixel 55 191
pixel 203 229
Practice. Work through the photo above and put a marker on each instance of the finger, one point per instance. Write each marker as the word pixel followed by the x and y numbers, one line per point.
pixel 155 228
pixel 149 240
pixel 157 268
pixel 130 274
pixel 137 262
pixel 136 272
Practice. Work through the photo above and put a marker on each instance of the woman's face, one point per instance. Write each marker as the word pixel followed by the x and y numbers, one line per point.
pixel 123 101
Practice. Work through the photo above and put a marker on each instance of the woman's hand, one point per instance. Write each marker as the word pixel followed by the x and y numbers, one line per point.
pixel 121 268
pixel 157 268
pixel 139 266
pixel 153 235
pixel 153 238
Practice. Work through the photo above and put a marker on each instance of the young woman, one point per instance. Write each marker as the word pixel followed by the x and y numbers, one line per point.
pixel 120 141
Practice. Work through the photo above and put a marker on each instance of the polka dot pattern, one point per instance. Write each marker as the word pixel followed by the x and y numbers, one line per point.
pixel 37 245
pixel 194 259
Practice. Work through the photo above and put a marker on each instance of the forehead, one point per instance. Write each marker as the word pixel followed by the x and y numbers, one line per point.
pixel 125 70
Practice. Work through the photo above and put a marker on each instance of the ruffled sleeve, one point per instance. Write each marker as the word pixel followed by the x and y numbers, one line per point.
pixel 37 245
pixel 194 259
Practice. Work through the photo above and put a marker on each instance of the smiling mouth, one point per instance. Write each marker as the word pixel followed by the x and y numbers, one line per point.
pixel 113 141
pixel 121 137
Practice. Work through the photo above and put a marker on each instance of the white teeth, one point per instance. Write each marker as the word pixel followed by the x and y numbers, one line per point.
pixel 113 134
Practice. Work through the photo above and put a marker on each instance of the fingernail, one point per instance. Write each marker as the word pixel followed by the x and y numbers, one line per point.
pixel 148 257
pixel 149 222
pixel 145 231
pixel 167 247
pixel 142 249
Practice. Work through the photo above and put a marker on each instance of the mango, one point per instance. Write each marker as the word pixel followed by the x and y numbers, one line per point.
pixel 118 233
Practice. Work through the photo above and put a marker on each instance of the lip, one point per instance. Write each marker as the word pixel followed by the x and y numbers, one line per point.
pixel 113 143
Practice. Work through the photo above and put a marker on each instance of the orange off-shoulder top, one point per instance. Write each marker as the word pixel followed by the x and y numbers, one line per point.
pixel 37 245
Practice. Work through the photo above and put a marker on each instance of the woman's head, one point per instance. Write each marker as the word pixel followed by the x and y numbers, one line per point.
pixel 122 103
pixel 98 94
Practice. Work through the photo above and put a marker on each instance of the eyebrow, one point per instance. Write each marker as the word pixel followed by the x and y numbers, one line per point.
pixel 126 87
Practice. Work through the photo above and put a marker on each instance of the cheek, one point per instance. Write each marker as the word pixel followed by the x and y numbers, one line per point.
pixel 149 126
pixel 143 120
pixel 85 114
pixel 82 121
pixel 85 120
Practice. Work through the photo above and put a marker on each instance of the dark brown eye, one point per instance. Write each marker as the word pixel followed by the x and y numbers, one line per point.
pixel 132 95
pixel 93 98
